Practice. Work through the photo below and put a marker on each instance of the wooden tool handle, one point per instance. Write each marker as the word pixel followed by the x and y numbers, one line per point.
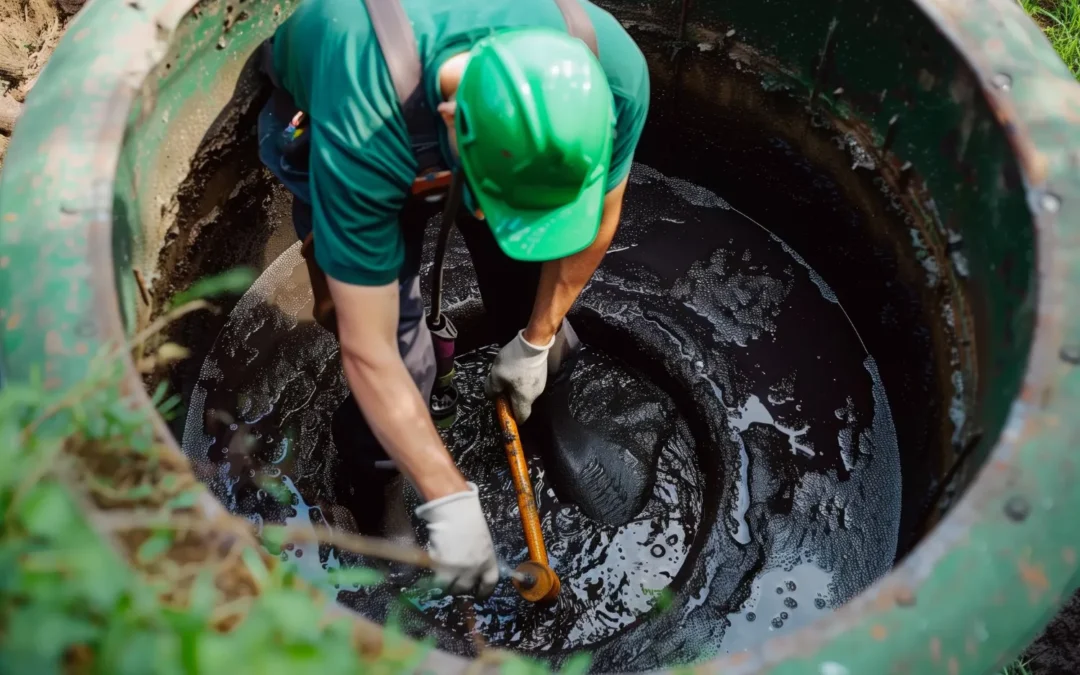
pixel 519 469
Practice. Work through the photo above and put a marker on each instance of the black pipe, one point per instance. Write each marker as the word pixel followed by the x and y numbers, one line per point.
pixel 453 202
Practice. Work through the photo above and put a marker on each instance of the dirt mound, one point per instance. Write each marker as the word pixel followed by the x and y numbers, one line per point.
pixel 29 31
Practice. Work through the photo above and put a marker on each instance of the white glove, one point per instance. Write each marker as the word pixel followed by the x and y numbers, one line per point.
pixel 520 370
pixel 460 543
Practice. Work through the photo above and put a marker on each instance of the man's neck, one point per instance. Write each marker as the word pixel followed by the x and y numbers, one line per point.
pixel 450 74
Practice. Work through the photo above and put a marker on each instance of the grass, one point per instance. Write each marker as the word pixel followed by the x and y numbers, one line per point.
pixel 1060 21
pixel 1018 668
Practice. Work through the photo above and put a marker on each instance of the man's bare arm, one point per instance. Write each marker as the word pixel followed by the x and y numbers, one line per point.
pixel 367 318
pixel 561 280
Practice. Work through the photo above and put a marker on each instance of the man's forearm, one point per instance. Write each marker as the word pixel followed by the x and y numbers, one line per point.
pixel 399 418
pixel 367 318
pixel 561 281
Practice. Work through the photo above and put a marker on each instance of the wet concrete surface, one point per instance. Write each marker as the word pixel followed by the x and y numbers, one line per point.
pixel 778 486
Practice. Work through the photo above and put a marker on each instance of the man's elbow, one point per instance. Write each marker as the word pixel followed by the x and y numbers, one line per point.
pixel 368 358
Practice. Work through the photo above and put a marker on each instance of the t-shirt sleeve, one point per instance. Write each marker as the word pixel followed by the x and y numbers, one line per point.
pixel 630 114
pixel 362 168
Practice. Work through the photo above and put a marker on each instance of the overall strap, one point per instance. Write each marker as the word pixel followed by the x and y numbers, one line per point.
pixel 578 23
pixel 398 44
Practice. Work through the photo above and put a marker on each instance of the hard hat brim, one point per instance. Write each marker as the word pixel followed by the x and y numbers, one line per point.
pixel 539 236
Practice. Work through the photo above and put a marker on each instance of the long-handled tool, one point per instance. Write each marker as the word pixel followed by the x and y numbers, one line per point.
pixel 383 549
pixel 534 579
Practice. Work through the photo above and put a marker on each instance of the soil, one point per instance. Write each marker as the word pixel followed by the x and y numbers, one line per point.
pixel 29 32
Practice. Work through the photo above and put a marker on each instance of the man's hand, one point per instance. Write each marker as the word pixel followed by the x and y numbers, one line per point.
pixel 460 543
pixel 520 370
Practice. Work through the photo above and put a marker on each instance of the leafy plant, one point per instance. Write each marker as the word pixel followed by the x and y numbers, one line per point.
pixel 108 565
pixel 1018 668
pixel 231 282
pixel 1060 21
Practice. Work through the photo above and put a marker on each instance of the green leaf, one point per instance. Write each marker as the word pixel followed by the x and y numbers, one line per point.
pixel 355 576
pixel 276 490
pixel 158 543
pixel 664 600
pixel 140 491
pixel 578 664
pixel 48 632
pixel 159 393
pixel 516 665
pixel 204 594
pixel 186 499
pixel 47 511
pixel 273 537
pixel 96 426
pixel 169 405
pixel 255 565
pixel 234 281
pixel 294 614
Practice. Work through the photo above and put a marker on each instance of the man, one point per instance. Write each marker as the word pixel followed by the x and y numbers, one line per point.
pixel 543 132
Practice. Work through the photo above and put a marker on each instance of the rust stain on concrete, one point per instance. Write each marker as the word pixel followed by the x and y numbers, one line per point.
pixel 1068 554
pixel 54 344
pixel 1034 577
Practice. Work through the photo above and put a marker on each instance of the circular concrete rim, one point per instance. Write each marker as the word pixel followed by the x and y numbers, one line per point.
pixel 969 596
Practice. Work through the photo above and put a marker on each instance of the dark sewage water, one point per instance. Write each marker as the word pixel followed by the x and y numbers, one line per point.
pixel 777 493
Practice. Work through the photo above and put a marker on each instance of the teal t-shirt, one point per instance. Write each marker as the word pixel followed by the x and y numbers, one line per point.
pixel 327 57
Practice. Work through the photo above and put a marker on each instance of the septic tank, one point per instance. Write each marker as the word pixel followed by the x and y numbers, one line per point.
pixel 919 156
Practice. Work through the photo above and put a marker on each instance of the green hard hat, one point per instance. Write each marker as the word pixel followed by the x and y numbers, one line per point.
pixel 535 120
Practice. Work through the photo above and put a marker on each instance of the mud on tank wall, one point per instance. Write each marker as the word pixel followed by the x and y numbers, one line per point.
pixel 853 131
pixel 191 198
pixel 856 133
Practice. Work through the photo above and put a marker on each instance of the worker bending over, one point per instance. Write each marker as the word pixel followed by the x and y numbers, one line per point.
pixel 544 133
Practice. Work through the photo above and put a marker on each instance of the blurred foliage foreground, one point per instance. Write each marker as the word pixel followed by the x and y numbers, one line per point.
pixel 114 559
